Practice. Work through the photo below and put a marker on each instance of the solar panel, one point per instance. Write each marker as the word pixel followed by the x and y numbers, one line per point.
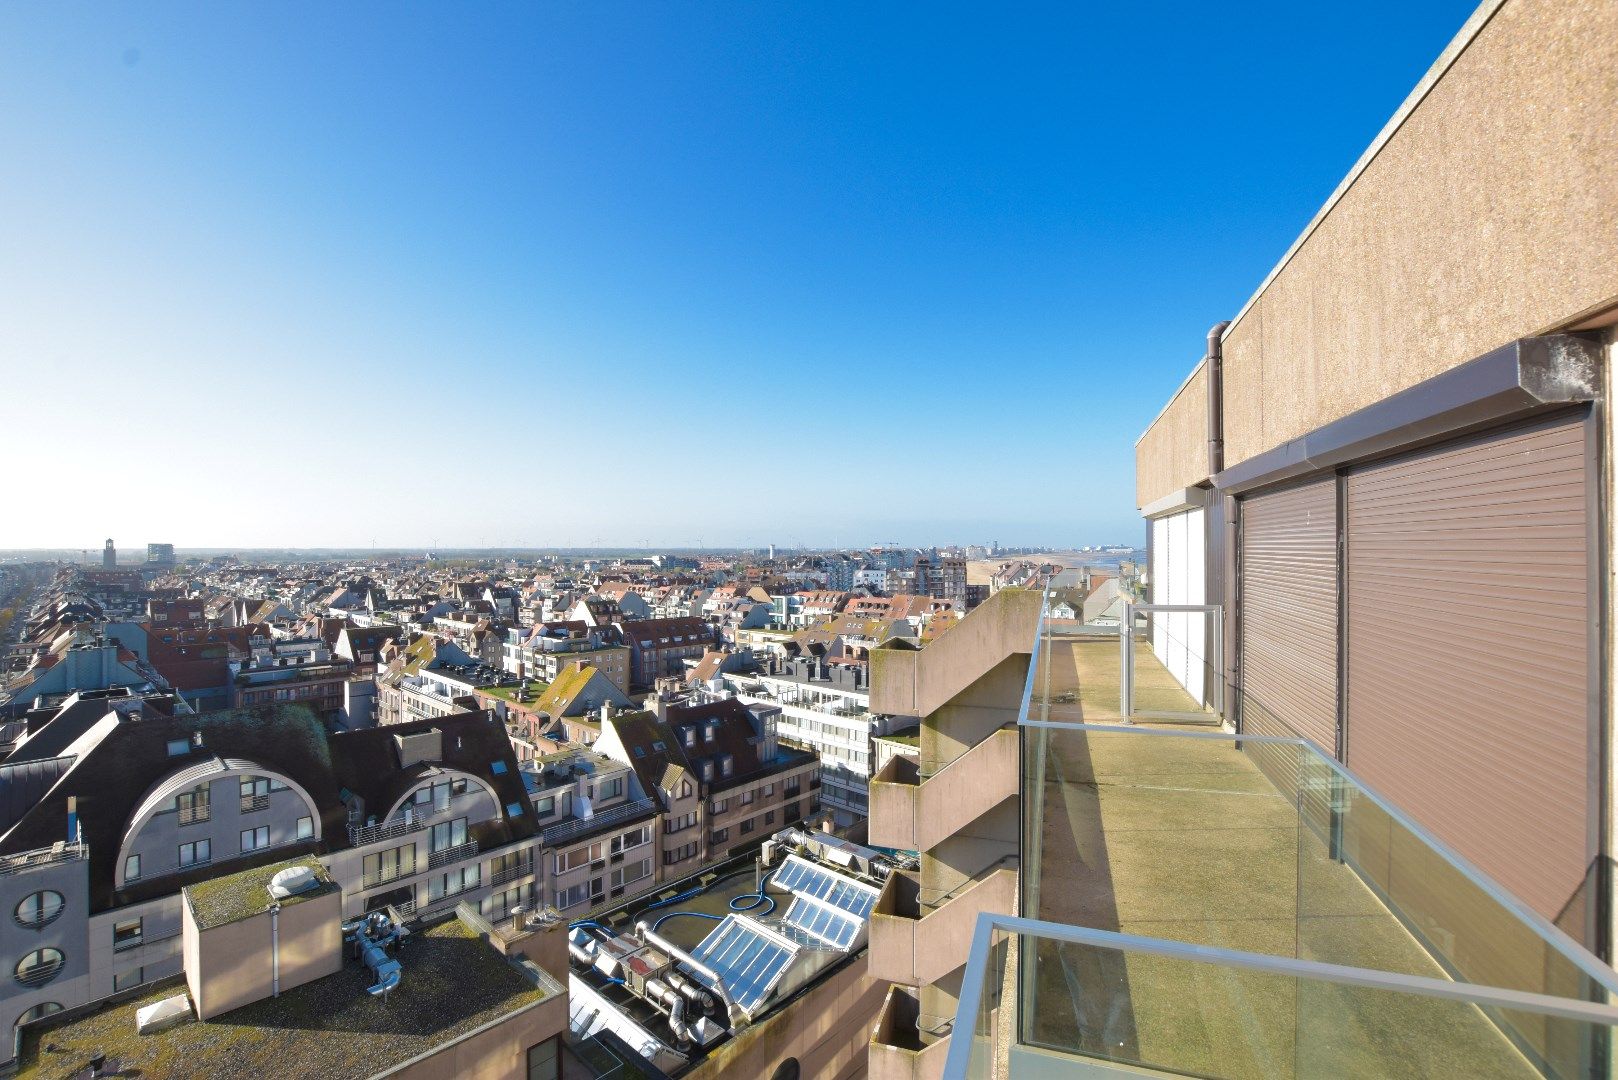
pixel 802 876
pixel 750 962
pixel 826 923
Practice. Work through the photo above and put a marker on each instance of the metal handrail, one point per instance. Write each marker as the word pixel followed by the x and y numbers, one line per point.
pixel 567 830
pixel 969 1005
pixel 29 860
pixel 445 856
pixel 387 830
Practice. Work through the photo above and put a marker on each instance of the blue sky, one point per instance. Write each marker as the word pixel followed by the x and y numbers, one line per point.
pixel 555 274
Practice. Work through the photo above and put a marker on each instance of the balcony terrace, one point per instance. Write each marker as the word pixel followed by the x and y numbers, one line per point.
pixel 1197 902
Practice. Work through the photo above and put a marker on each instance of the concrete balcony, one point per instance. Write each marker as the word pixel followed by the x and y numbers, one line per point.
pixel 916 943
pixel 915 814
pixel 900 1048
pixel 912 682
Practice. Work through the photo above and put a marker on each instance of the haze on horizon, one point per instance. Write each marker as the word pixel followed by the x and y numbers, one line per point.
pixel 584 275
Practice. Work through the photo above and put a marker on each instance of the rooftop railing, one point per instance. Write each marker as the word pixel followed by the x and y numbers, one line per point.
pixel 60 852
pixel 602 819
pixel 1242 905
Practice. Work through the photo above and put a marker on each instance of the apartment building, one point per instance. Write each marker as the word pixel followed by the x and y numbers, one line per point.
pixel 285 672
pixel 659 648
pixel 105 831
pixel 1349 815
pixel 545 650
pixel 825 708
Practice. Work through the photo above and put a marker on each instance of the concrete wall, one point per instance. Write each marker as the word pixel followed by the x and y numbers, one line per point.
pixel 827 1029
pixel 1491 214
pixel 496 1051
pixel 1173 454
pixel 230 966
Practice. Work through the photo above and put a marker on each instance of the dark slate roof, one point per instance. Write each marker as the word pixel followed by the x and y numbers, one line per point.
pixel 642 731
pixel 111 779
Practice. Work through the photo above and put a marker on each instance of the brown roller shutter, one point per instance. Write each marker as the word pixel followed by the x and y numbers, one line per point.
pixel 1288 612
pixel 1468 650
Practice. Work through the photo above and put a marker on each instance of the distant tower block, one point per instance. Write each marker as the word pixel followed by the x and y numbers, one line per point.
pixel 160 555
pixel 109 557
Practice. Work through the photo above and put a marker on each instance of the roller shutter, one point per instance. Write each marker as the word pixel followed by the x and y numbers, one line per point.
pixel 1468 597
pixel 1288 626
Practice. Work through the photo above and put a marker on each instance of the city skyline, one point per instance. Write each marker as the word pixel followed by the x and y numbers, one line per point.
pixel 394 275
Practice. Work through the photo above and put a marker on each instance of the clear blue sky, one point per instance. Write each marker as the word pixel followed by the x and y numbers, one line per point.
pixel 543 274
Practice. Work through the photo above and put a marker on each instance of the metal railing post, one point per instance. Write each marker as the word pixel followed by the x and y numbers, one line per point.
pixel 1126 661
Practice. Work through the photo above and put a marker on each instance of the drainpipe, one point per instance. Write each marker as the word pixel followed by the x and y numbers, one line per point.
pixel 275 949
pixel 1220 548
pixel 1216 398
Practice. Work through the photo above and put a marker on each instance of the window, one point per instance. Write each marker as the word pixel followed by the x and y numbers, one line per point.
pixel 38 1012
pixel 610 789
pixel 306 828
pixel 769 817
pixel 690 736
pixel 657 744
pixel 545 807
pixel 578 894
pixel 123 980
pixel 640 751
pixel 685 789
pixel 513 809
pixel 707 769
pixel 631 873
pixel 769 789
pixel 791 813
pixel 38 967
pixel 718 806
pixel 132 868
pixel 192 806
pixel 179 746
pixel 498 768
pixel 745 799
pixel 40 909
pixel 747 826
pixel 448 834
pixel 255 793
pixel 441 886
pixel 632 839
pixel 679 854
pixel 577 857
pixel 719 836
pixel 708 732
pixel 545 1060
pixel 194 853
pixel 126 935
pixel 256 839
pixel 389 865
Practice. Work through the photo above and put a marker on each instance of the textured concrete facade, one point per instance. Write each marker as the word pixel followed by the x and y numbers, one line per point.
pixel 1173 454
pixel 1489 213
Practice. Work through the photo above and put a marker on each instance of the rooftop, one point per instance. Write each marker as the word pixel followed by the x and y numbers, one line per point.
pixel 233 897
pixel 509 694
pixel 328 1028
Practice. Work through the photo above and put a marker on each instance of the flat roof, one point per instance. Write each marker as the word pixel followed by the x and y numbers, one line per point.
pixel 237 896
pixel 453 983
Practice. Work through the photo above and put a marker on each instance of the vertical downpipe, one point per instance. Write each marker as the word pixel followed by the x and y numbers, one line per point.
pixel 275 949
pixel 1215 360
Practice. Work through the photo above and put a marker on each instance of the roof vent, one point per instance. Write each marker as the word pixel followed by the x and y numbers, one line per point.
pixel 292 881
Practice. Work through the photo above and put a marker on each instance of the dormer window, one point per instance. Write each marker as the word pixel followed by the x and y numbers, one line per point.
pixel 707 769
pixel 498 768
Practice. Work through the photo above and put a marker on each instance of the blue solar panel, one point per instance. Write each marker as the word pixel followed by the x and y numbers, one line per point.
pixel 805 877
pixel 749 962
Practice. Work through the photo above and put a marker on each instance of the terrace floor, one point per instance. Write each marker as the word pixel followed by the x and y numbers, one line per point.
pixel 1188 839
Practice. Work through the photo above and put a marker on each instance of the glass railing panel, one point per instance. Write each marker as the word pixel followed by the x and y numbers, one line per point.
pixel 1041 994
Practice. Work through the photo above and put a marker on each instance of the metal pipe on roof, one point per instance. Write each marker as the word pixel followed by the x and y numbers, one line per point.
pixel 736 1013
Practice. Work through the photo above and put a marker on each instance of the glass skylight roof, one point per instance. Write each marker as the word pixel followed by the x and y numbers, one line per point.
pixel 750 961
pixel 802 876
pixel 826 923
